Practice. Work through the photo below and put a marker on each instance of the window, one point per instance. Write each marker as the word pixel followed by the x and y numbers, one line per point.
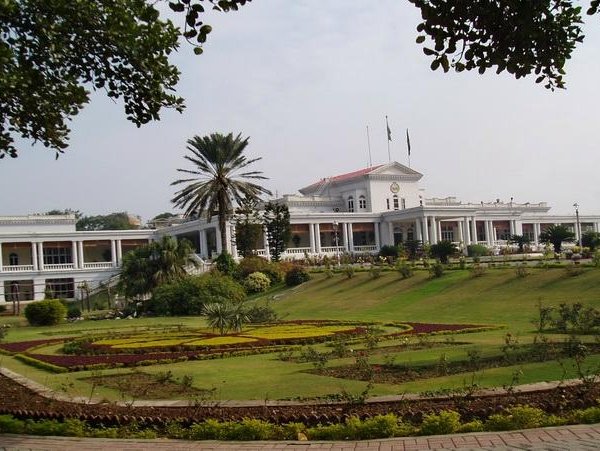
pixel 57 255
pixel 396 204
pixel 13 259
pixel 447 232
pixel 362 203
pixel 351 204
pixel 61 288
pixel 403 202
pixel 387 202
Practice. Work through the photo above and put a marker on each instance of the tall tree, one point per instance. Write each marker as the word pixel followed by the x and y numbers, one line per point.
pixel 112 221
pixel 219 179
pixel 556 235
pixel 279 231
pixel 154 264
pixel 248 227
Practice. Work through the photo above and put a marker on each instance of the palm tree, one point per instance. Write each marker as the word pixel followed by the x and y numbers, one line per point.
pixel 217 182
pixel 556 234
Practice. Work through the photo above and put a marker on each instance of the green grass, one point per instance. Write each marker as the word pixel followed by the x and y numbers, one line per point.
pixel 496 298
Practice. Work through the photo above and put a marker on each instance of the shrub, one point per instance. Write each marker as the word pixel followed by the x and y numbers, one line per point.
pixel 405 270
pixel 573 270
pixel 349 271
pixel 257 282
pixel 189 295
pixel 225 263
pixel 477 250
pixel 248 265
pixel 388 251
pixel 73 311
pixel 45 313
pixel 443 250
pixel 521 271
pixel 446 422
pixel 520 417
pixel 375 272
pixel 436 270
pixel 3 308
pixel 261 314
pixel 296 275
pixel 477 270
pixel 590 415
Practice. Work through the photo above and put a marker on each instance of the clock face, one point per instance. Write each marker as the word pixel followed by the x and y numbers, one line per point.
pixel 394 187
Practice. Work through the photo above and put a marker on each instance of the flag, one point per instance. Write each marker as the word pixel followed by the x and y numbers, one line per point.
pixel 408 142
pixel 389 132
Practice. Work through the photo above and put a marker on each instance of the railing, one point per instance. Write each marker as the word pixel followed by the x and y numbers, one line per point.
pixel 332 249
pixel 59 267
pixel 17 268
pixel 366 248
pixel 261 252
pixel 97 265
pixel 297 250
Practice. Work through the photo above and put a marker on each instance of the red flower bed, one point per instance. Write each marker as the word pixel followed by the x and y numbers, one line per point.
pixel 21 346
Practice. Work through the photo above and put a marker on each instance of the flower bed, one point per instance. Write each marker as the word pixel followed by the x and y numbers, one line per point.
pixel 21 346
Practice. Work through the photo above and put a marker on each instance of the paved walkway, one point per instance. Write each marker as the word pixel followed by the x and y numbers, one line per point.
pixel 579 437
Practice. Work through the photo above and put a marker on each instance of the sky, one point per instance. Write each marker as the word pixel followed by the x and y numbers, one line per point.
pixel 303 80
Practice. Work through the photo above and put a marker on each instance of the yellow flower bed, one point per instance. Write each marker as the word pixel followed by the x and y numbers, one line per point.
pixel 218 341
pixel 296 331
pixel 152 344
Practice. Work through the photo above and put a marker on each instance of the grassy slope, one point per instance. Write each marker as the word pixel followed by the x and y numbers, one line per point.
pixel 498 297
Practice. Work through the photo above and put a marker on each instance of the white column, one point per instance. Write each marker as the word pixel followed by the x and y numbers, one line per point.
pixel 473 230
pixel 518 227
pixel 113 253
pixel 317 238
pixel 377 238
pixel 1 283
pixel 232 242
pixel 1 289
pixel 466 233
pixel 40 256
pixel 218 237
pixel 536 233
pixel 596 227
pixel 267 250
pixel 425 231
pixel 228 240
pixel 488 235
pixel 203 244
pixel 34 256
pixel 350 238
pixel 311 238
pixel 119 253
pixel 391 233
pixel 345 234
pixel 434 228
pixel 494 232
pixel 461 236
pixel 418 231
pixel 80 253
pixel 74 258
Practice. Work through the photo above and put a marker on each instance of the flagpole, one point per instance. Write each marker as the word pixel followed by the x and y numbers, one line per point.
pixel 389 137
pixel 369 147
pixel 408 146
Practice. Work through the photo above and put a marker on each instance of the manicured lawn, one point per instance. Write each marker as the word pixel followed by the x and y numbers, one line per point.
pixel 496 298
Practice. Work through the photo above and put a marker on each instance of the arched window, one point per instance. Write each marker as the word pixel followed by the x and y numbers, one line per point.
pixel 13 259
pixel 362 203
pixel 351 204
pixel 396 203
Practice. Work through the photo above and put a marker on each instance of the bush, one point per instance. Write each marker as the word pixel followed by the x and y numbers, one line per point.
pixel 477 270
pixel 521 271
pixel 225 263
pixel 3 308
pixel 257 282
pixel 73 311
pixel 375 272
pixel 404 269
pixel 436 270
pixel 296 275
pixel 261 314
pixel 446 422
pixel 189 295
pixel 349 271
pixel 477 250
pixel 520 417
pixel 388 251
pixel 248 265
pixel 45 313
pixel 443 250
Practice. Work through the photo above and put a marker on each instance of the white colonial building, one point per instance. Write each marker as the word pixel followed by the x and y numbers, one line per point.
pixel 356 212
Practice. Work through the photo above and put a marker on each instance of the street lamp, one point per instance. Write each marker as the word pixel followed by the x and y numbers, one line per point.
pixel 337 247
pixel 578 230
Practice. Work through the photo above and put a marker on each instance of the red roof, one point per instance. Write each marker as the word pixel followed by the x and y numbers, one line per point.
pixel 347 176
